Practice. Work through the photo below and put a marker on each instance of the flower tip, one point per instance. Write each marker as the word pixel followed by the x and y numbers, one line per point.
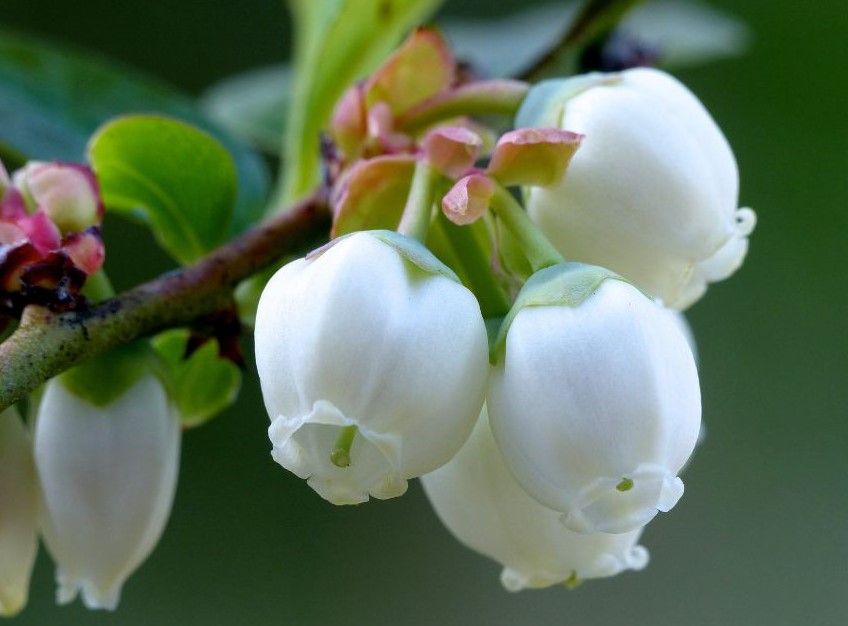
pixel 468 200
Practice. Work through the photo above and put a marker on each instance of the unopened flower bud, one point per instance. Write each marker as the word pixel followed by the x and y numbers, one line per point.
pixel 483 506
pixel 533 156
pixel 349 122
pixel 594 399
pixel 468 200
pixel 18 513
pixel 452 149
pixel 372 361
pixel 108 468
pixel 67 193
pixel 652 193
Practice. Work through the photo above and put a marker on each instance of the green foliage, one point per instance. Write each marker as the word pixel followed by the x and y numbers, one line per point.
pixel 103 379
pixel 253 106
pixel 202 385
pixel 52 99
pixel 684 32
pixel 178 179
pixel 337 42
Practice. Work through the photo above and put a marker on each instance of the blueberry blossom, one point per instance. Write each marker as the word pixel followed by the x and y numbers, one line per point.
pixel 372 359
pixel 594 399
pixel 107 458
pixel 652 193
pixel 18 513
pixel 483 506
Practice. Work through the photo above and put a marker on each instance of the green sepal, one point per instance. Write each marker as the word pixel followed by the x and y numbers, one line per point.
pixel 410 249
pixel 565 284
pixel 202 385
pixel 106 377
pixel 545 102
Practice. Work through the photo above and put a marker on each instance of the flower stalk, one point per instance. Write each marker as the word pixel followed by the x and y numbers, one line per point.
pixel 536 247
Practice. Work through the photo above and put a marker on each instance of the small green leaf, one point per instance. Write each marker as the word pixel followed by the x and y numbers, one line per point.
pixel 252 106
pixel 337 42
pixel 52 98
pixel 202 385
pixel 177 178
pixel 103 379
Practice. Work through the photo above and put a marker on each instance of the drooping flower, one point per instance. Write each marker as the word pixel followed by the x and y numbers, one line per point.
pixel 652 193
pixel 108 468
pixel 594 399
pixel 483 506
pixel 372 361
pixel 18 513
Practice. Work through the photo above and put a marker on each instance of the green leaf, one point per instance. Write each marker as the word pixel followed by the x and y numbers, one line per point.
pixel 685 33
pixel 175 177
pixel 53 98
pixel 202 385
pixel 252 106
pixel 337 42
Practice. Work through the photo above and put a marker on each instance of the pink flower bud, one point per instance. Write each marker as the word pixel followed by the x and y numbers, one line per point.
pixel 349 122
pixel 67 193
pixel 468 199
pixel 86 250
pixel 41 232
pixel 533 156
pixel 452 150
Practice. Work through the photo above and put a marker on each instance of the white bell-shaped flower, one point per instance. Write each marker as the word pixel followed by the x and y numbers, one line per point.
pixel 652 192
pixel 18 513
pixel 479 501
pixel 594 399
pixel 373 364
pixel 108 476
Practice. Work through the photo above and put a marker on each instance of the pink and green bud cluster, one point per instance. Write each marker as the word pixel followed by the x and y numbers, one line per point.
pixel 50 242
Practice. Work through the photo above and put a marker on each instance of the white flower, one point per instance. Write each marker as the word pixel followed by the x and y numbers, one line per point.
pixel 372 338
pixel 479 501
pixel 652 192
pixel 595 399
pixel 108 476
pixel 18 513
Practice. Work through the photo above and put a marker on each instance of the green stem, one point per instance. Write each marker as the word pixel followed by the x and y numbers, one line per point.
pixel 419 204
pixel 493 97
pixel 98 287
pixel 539 251
pixel 340 456
pixel 478 268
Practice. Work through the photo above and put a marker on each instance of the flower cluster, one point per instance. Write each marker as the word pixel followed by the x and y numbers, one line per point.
pixel 50 215
pixel 585 403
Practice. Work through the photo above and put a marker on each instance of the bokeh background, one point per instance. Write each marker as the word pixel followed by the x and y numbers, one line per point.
pixel 762 534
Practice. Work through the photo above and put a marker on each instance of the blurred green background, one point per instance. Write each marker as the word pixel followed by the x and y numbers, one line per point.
pixel 762 534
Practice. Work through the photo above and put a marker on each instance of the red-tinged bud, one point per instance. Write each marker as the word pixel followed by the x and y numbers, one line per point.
pixel 372 194
pixel 533 156
pixel 68 193
pixel 86 250
pixel 14 261
pixel 452 150
pixel 468 199
pixel 421 68
pixel 11 235
pixel 349 123
pixel 382 137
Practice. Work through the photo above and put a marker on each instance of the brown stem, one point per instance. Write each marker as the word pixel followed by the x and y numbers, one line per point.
pixel 45 343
